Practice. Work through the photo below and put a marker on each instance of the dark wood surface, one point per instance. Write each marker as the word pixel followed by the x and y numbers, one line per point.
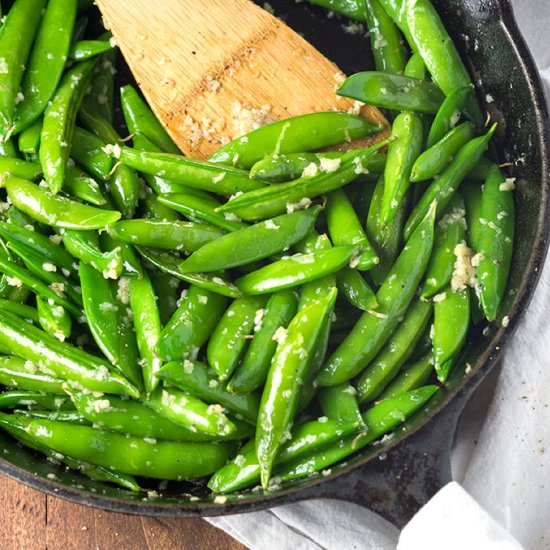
pixel 30 520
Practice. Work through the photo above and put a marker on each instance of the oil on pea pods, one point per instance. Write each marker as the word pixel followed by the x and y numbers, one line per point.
pixel 202 382
pixel 201 209
pixel 86 49
pixel 16 372
pixel 140 118
pixel 216 178
pixel 340 403
pixel 244 470
pixel 286 376
pixel 59 122
pixel 60 358
pixel 192 324
pixel 16 425
pixel 434 160
pixel 129 455
pixel 170 235
pixel 82 186
pixel 296 270
pixel 372 331
pixel 451 324
pixel 88 151
pixel 54 319
pixel 187 410
pixel 395 92
pixel 276 199
pixel 56 210
pixel 19 398
pixel 252 372
pixel 381 419
pixel 402 154
pixel 228 341
pixel 395 352
pixel 496 240
pixel 443 188
pixel 345 228
pixel 294 135
pixel 15 47
pixel 256 242
pixel 357 291
pixel 137 419
pixel 410 378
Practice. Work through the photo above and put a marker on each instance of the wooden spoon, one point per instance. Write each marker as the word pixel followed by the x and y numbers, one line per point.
pixel 214 69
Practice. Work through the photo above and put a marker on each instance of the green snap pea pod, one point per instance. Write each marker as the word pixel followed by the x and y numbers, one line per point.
pixel 354 9
pixel 244 470
pixel 434 160
pixel 296 270
pixel 496 241
pixel 72 416
pixel 395 353
pixel 450 231
pixel 46 61
pixel 229 339
pixel 15 46
pixel 192 324
pixel 140 118
pixel 402 153
pixel 134 418
pixel 22 310
pixel 168 263
pixel 386 238
pixel 353 286
pixel 62 359
pixel 379 420
pixel 24 375
pixel 415 67
pixel 170 235
pixel 340 403
pixel 199 174
pixel 16 217
pixel 198 380
pixel 294 135
pixel 86 49
pixel 130 455
pixel 252 372
pixel 256 242
pixel 84 246
pixel 449 114
pixel 186 410
pixel 345 228
pixel 27 278
pixel 166 289
pixel 51 250
pixel 411 378
pixel 371 332
pixel 471 192
pixel 29 139
pixel 20 168
pixel 443 188
pixel 17 425
pixel 201 209
pixel 276 199
pixel 19 398
pixel 451 324
pixel 80 26
pixel 480 171
pixel 56 210
pixel 386 40
pixel 59 121
pixel 87 150
pixel 131 264
pixel 395 92
pixel 286 376
pixel 7 149
pixel 100 98
pixel 54 319
pixel 82 186
pixel 143 302
pixel 156 210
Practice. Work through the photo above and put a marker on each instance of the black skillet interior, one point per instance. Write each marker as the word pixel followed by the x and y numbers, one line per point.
pixel 397 477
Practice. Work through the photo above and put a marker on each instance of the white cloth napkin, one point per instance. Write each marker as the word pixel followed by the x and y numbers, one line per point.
pixel 502 457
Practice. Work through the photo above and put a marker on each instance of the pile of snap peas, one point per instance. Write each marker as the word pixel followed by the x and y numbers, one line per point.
pixel 256 317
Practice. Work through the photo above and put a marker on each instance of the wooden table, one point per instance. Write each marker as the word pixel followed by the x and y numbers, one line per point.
pixel 30 520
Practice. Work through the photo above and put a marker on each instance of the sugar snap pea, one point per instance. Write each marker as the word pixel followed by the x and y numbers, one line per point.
pixel 370 333
pixel 167 292
pixel 19 398
pixel 87 150
pixel 22 310
pixel 86 49
pixel 353 286
pixel 7 149
pixel 294 135
pixel 340 403
pixel 53 318
pixel 20 168
pixel 99 99
pixel 70 415
pixel 82 186
pixel 354 9
pixel 415 67
pixel 410 378
pixel 29 138
pixel 390 91
pixel 24 375
pixel 156 210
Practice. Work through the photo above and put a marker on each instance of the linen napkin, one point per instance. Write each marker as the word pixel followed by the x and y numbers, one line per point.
pixel 502 455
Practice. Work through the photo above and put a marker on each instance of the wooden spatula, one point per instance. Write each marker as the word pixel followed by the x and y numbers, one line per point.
pixel 213 69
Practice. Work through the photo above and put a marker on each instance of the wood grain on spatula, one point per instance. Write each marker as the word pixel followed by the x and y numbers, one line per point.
pixel 203 64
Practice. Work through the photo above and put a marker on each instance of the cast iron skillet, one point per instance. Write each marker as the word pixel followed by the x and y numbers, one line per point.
pixel 396 478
